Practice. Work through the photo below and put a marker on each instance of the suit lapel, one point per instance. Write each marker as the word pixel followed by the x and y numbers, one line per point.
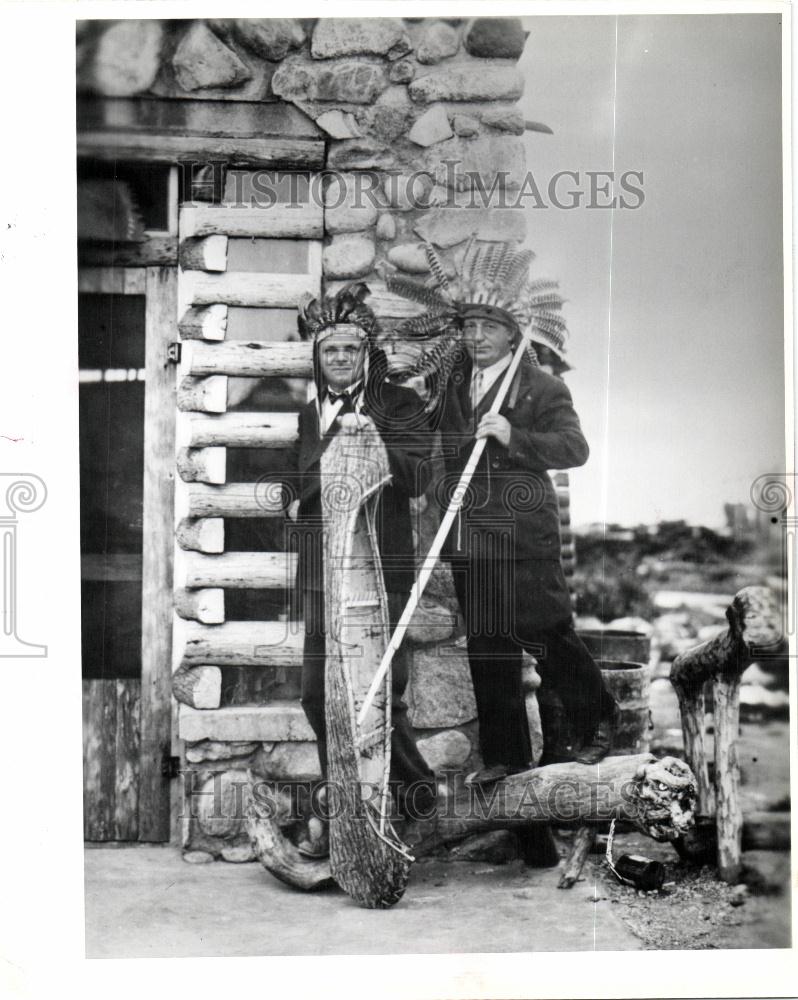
pixel 313 445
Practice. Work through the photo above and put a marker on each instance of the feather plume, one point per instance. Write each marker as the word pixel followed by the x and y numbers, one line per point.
pixel 436 266
pixel 417 292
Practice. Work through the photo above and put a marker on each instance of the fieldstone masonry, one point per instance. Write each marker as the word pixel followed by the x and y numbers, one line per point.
pixel 420 102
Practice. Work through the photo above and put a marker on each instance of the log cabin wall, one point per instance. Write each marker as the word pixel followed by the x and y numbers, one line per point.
pixel 393 112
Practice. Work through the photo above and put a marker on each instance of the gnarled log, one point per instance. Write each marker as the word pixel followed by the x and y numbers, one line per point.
pixel 657 796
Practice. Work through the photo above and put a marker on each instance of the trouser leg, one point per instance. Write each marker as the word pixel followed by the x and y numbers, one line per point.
pixel 496 666
pixel 313 660
pixel 567 668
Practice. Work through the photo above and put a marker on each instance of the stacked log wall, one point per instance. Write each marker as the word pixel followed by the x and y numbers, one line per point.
pixel 394 104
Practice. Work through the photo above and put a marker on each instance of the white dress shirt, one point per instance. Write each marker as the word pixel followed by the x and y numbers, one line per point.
pixel 483 378
pixel 330 408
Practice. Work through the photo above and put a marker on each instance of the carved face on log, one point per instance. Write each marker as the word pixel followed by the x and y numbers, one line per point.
pixel 665 793
pixel 341 359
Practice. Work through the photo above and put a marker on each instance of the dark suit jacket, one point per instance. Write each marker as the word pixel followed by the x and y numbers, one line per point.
pixel 399 416
pixel 511 489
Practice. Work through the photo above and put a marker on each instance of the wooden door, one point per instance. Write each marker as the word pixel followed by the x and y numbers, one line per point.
pixel 127 320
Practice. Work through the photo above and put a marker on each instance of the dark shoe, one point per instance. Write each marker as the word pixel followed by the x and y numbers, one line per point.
pixel 600 743
pixel 487 775
pixel 537 846
pixel 559 755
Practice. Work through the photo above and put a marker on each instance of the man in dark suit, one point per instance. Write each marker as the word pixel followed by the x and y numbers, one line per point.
pixel 505 548
pixel 349 373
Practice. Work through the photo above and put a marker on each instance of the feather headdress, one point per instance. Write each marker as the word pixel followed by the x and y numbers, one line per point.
pixel 318 317
pixel 493 276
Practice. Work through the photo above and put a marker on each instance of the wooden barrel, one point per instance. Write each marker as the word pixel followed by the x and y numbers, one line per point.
pixel 616 644
pixel 629 683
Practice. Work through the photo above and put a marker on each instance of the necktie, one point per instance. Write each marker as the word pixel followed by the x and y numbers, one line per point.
pixel 476 388
pixel 348 404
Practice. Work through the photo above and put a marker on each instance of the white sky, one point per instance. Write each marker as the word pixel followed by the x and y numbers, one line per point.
pixel 694 402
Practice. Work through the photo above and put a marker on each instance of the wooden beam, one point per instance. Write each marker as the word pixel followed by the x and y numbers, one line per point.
pixel 277 721
pixel 264 499
pixel 112 280
pixel 202 395
pixel 148 147
pixel 203 534
pixel 204 253
pixel 233 118
pixel 206 606
pixel 248 288
pixel 243 644
pixel 202 465
pixel 204 323
pixel 155 251
pixel 241 570
pixel 256 359
pixel 158 544
pixel 199 687
pixel 278 221
pixel 245 430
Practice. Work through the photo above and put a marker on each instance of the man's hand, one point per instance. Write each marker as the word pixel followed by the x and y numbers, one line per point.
pixel 496 426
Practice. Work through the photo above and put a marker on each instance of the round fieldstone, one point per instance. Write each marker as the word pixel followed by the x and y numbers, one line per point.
pixel 467 83
pixel 339 124
pixel 465 125
pixel 437 41
pixel 334 37
pixel 402 71
pixel 238 855
pixel 495 38
pixel 201 60
pixel 287 761
pixel 433 126
pixel 350 203
pixel 440 693
pixel 219 803
pixel 505 120
pixel 349 81
pixel 197 857
pixel 390 116
pixel 128 58
pixel 348 256
pixel 448 749
pixel 269 37
pixel 386 227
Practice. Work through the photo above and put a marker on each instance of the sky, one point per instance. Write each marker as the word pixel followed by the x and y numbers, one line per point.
pixel 676 307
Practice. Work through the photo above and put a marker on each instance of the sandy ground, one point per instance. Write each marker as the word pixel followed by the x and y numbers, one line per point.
pixel 147 902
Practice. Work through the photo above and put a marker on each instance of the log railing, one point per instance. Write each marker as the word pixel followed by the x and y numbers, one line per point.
pixel 755 630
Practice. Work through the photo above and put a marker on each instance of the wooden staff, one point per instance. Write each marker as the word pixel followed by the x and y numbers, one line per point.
pixel 437 544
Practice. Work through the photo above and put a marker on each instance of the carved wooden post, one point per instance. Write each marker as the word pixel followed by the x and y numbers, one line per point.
pixel 754 629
